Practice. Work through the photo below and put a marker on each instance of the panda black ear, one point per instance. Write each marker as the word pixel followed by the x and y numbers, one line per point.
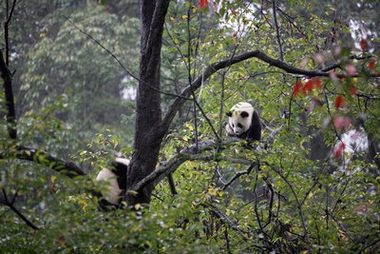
pixel 244 114
pixel 229 113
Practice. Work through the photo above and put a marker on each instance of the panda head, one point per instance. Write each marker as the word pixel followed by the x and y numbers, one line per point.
pixel 240 117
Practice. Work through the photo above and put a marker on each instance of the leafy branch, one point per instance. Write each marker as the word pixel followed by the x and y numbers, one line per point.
pixel 67 168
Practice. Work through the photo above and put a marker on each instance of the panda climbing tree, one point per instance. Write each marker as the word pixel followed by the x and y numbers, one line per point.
pixel 115 183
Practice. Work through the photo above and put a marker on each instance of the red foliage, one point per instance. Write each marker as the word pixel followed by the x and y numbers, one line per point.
pixel 363 44
pixel 340 102
pixel 313 83
pixel 308 87
pixel 317 83
pixel 339 150
pixel 353 90
pixel 203 4
pixel 297 87
pixel 372 64
pixel 342 122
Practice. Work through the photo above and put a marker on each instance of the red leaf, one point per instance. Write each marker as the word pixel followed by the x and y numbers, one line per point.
pixel 363 44
pixel 297 87
pixel 340 102
pixel 308 86
pixel 203 4
pixel 339 150
pixel 353 90
pixel 341 122
pixel 313 83
pixel 372 64
pixel 317 83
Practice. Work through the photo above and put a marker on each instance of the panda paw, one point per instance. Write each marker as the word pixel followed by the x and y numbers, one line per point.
pixel 229 131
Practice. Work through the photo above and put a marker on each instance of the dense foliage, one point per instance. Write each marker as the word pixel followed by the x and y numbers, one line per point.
pixel 297 190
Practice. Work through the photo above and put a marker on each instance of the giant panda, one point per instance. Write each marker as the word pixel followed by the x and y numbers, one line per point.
pixel 115 181
pixel 350 143
pixel 244 122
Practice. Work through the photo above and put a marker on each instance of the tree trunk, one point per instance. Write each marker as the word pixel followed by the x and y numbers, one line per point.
pixel 148 109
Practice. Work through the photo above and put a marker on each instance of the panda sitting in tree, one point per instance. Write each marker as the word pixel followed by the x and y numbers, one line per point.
pixel 115 181
pixel 244 122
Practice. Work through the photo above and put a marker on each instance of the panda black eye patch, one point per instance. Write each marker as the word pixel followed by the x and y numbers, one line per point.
pixel 239 125
pixel 244 114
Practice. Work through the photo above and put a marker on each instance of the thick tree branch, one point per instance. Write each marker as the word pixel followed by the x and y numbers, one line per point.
pixel 67 168
pixel 190 153
pixel 157 22
pixel 196 152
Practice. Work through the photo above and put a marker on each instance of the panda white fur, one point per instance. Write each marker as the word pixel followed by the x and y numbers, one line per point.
pixel 115 182
pixel 351 142
pixel 244 122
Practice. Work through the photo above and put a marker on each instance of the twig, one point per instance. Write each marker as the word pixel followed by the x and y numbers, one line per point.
pixel 172 185
pixel 270 202
pixel 281 54
pixel 193 97
pixel 308 192
pixel 230 222
pixel 369 245
pixel 227 239
pixel 299 207
pixel 5 201
pixel 120 63
pixel 238 174
pixel 189 76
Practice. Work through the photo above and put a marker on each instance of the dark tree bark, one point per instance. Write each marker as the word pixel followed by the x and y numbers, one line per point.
pixel 148 116
pixel 9 100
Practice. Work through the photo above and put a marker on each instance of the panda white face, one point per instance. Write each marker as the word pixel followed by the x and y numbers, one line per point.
pixel 240 118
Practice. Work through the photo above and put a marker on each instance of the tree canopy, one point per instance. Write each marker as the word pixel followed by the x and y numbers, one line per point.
pixel 84 82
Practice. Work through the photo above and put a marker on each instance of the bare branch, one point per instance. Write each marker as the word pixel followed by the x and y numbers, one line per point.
pixel 299 205
pixel 281 53
pixel 238 174
pixel 5 201
pixel 230 222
